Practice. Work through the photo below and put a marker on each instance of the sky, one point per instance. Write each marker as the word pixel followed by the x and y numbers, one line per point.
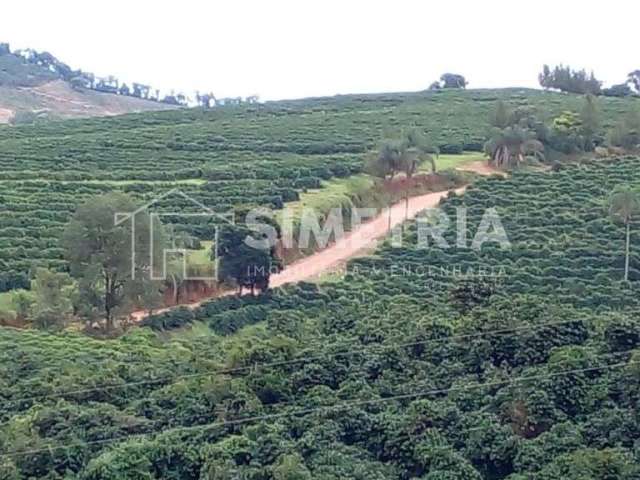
pixel 281 49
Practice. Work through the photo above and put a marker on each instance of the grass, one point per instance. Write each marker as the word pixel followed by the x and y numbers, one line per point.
pixel 336 192
pixel 446 162
pixel 358 189
pixel 5 301
pixel 202 256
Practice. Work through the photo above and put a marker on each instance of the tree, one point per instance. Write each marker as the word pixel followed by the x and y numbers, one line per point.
pixel 626 133
pixel 52 294
pixel 567 80
pixel 22 301
pixel 124 90
pixel 590 119
pixel 624 206
pixel 78 83
pixel 501 116
pixel 110 253
pixel 509 147
pixel 634 80
pixel 427 152
pixel 453 80
pixel 619 90
pixel 245 265
pixel 418 150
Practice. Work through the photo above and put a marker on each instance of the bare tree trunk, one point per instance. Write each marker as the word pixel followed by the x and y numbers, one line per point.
pixel 626 259
pixel 389 224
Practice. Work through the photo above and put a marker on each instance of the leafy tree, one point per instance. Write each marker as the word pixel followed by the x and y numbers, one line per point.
pixel 501 116
pixel 634 79
pixel 53 294
pixel 402 155
pixel 469 293
pixel 453 80
pixel 22 301
pixel 590 119
pixel 291 467
pixel 124 89
pixel 111 254
pixel 619 90
pixel 588 463
pixel 567 80
pixel 245 265
pixel 427 152
pixel 624 206
pixel 567 133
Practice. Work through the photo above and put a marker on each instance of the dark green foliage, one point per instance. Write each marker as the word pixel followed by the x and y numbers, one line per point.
pixel 453 80
pixel 376 376
pixel 567 80
pixel 620 90
pixel 169 320
pixel 247 258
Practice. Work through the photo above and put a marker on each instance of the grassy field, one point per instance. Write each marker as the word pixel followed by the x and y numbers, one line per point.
pixel 449 161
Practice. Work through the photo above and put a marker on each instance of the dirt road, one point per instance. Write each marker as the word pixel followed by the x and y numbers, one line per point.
pixel 363 238
pixel 360 240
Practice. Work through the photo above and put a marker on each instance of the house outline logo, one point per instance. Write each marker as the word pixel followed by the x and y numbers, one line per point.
pixel 122 217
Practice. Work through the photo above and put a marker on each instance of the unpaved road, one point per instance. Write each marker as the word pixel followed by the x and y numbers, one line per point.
pixel 362 239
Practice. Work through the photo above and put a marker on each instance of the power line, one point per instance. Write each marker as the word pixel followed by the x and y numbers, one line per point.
pixel 254 367
pixel 338 407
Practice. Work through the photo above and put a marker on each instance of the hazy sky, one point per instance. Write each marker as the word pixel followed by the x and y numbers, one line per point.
pixel 296 48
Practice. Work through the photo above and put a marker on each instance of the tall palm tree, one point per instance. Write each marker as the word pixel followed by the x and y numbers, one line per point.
pixel 510 146
pixel 418 151
pixel 624 205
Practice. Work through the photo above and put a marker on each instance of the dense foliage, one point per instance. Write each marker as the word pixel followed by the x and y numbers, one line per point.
pixel 436 363
pixel 262 154
pixel 565 79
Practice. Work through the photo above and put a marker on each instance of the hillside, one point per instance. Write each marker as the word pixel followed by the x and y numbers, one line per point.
pixel 57 100
pixel 223 157
pixel 397 371
pixel 30 90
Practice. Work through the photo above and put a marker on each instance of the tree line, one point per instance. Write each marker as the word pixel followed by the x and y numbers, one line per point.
pixel 81 80
pixel 565 79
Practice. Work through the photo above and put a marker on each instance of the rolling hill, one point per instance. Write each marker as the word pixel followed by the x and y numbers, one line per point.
pixel 31 90
pixel 223 157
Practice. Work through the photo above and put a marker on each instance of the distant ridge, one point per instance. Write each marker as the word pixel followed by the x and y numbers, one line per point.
pixel 37 86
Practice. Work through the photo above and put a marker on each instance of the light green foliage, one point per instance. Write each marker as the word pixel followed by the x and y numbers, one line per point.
pixel 53 295
pixel 111 254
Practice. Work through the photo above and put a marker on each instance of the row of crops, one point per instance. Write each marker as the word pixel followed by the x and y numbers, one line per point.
pixel 258 155
pixel 379 375
pixel 563 241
